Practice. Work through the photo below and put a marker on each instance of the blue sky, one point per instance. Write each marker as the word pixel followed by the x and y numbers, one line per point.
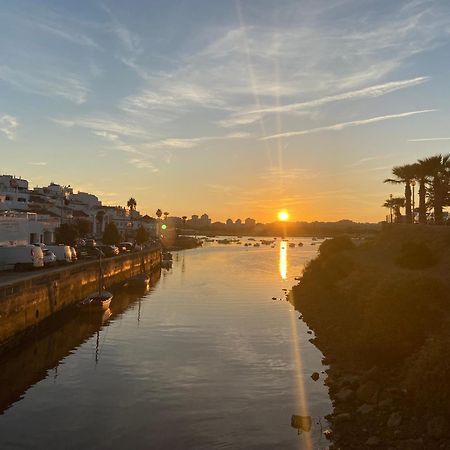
pixel 235 108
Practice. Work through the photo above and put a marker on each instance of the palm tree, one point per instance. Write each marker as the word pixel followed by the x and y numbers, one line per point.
pixel 184 221
pixel 421 175
pixel 438 169
pixel 131 203
pixel 395 203
pixel 166 214
pixel 404 174
pixel 158 213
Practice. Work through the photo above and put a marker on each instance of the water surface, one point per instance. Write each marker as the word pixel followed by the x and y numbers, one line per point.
pixel 204 360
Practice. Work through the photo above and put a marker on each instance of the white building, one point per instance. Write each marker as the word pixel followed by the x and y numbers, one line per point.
pixel 14 194
pixel 18 228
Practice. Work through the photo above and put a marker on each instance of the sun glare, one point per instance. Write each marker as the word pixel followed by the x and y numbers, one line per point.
pixel 283 216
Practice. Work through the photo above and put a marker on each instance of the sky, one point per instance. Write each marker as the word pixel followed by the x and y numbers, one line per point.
pixel 234 108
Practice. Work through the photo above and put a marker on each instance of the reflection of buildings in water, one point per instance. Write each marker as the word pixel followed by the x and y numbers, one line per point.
pixel 283 259
pixel 43 349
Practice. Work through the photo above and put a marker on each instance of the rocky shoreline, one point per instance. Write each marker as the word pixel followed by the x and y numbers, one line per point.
pixel 380 401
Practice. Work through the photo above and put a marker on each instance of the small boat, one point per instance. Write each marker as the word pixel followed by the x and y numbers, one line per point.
pixel 300 244
pixel 166 263
pixel 141 280
pixel 291 244
pixel 256 245
pixel 99 301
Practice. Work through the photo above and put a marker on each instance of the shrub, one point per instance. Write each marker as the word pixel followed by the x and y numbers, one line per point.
pixel 415 255
pixel 336 245
pixel 398 316
pixel 427 377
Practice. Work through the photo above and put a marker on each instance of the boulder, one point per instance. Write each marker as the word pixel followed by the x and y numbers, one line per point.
pixel 345 394
pixel 394 421
pixel 368 392
pixel 373 441
pixel 437 427
pixel 365 409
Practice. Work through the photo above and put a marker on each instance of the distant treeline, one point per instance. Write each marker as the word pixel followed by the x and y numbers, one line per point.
pixel 289 229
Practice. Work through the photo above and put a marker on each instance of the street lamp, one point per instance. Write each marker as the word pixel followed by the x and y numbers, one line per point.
pixel 390 206
pixel 413 183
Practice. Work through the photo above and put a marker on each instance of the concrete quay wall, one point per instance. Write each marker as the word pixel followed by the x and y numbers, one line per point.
pixel 29 300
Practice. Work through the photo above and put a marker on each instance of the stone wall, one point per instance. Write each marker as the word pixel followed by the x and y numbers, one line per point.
pixel 26 302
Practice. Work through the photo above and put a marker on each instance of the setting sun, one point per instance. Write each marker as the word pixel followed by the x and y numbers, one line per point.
pixel 283 216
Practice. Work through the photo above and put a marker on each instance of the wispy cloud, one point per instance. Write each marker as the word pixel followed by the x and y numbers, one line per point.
pixel 353 123
pixel 368 92
pixel 8 126
pixel 430 139
pixel 46 82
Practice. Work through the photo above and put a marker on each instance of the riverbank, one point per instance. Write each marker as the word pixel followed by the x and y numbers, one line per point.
pixel 27 301
pixel 380 313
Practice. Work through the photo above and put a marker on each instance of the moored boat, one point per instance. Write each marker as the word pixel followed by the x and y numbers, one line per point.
pixel 99 301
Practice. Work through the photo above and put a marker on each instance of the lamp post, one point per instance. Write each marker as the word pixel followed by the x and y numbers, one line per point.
pixel 390 206
pixel 413 183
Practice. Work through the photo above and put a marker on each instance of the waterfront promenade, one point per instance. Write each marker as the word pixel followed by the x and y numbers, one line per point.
pixel 28 298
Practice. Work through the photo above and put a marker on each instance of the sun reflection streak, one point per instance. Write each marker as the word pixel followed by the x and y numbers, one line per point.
pixel 302 408
pixel 283 259
pixel 300 394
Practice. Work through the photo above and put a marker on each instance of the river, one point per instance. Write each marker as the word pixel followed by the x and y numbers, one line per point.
pixel 205 359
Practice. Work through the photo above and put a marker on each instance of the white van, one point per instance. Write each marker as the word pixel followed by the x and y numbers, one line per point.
pixel 62 252
pixel 21 257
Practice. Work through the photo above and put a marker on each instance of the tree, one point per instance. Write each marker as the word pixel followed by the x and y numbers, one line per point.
pixel 131 203
pixel 83 227
pixel 421 174
pixel 142 235
pixel 404 174
pixel 184 218
pixel 395 204
pixel 158 213
pixel 66 234
pixel 166 214
pixel 438 169
pixel 111 235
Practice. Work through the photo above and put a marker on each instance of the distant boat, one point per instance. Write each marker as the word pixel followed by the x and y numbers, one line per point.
pixel 291 244
pixel 300 244
pixel 256 245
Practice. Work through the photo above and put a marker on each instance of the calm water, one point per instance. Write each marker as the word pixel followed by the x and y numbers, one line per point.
pixel 204 360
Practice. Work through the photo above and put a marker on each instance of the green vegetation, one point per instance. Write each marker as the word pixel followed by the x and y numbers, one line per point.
pixel 142 235
pixel 373 312
pixel 111 235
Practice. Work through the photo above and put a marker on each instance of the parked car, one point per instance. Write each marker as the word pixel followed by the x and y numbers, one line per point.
pixel 74 254
pixel 62 252
pixel 49 257
pixel 86 252
pixel 22 257
pixel 90 242
pixel 109 250
pixel 126 247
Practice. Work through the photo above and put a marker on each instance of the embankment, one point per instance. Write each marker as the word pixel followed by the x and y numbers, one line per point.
pixel 380 310
pixel 29 300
